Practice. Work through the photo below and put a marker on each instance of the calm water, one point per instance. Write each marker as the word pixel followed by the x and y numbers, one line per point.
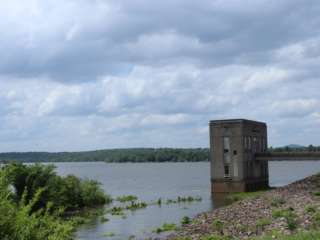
pixel 150 181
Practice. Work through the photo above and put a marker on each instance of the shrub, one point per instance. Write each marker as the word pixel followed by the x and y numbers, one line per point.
pixel 218 226
pixel 68 192
pixel 19 222
pixel 289 215
pixel 185 220
pixel 310 209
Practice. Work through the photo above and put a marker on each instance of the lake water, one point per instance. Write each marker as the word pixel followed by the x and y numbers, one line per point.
pixel 151 181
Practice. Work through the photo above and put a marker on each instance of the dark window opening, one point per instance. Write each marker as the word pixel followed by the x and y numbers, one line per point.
pixel 226 150
pixel 234 152
pixel 226 171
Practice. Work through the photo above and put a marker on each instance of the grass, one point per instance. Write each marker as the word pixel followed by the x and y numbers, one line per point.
pixel 289 215
pixel 218 225
pixel 263 222
pixel 310 209
pixel 277 202
pixel 244 195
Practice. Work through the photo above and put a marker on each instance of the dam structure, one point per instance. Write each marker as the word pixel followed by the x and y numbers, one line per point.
pixel 239 155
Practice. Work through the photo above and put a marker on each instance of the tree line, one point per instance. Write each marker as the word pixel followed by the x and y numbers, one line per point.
pixel 294 148
pixel 132 155
pixel 113 155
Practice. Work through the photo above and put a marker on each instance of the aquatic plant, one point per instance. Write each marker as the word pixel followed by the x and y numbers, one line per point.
pixel 166 227
pixel 184 199
pixel 104 219
pixel 118 211
pixel 109 234
pixel 185 220
pixel 136 205
pixel 127 198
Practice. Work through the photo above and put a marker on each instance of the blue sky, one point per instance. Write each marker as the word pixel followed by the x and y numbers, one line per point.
pixel 92 74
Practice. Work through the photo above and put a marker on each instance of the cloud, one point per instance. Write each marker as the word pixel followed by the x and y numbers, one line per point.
pixel 296 107
pixel 96 74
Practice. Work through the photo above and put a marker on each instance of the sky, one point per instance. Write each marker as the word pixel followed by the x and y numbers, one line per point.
pixel 80 75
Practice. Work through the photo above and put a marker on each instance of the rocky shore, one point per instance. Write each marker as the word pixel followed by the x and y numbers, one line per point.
pixel 281 211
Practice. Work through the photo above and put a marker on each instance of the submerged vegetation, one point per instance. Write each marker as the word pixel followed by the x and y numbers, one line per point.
pixel 127 198
pixel 166 227
pixel 187 199
pixel 35 202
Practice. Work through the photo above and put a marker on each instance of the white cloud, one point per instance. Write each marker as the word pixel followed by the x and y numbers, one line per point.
pixel 296 107
pixel 96 74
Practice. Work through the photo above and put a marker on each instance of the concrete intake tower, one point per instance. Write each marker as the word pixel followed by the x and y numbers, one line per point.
pixel 233 147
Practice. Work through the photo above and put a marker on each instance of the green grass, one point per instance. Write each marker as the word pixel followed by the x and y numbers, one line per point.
pixel 245 195
pixel 310 209
pixel 289 215
pixel 217 225
pixel 263 222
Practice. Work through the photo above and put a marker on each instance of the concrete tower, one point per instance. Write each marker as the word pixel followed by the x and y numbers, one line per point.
pixel 233 145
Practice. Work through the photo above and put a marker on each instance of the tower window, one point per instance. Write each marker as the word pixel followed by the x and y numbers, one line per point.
pixel 235 152
pixel 226 171
pixel 226 150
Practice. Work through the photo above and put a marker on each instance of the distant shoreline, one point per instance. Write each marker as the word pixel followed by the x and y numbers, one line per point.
pixel 113 155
